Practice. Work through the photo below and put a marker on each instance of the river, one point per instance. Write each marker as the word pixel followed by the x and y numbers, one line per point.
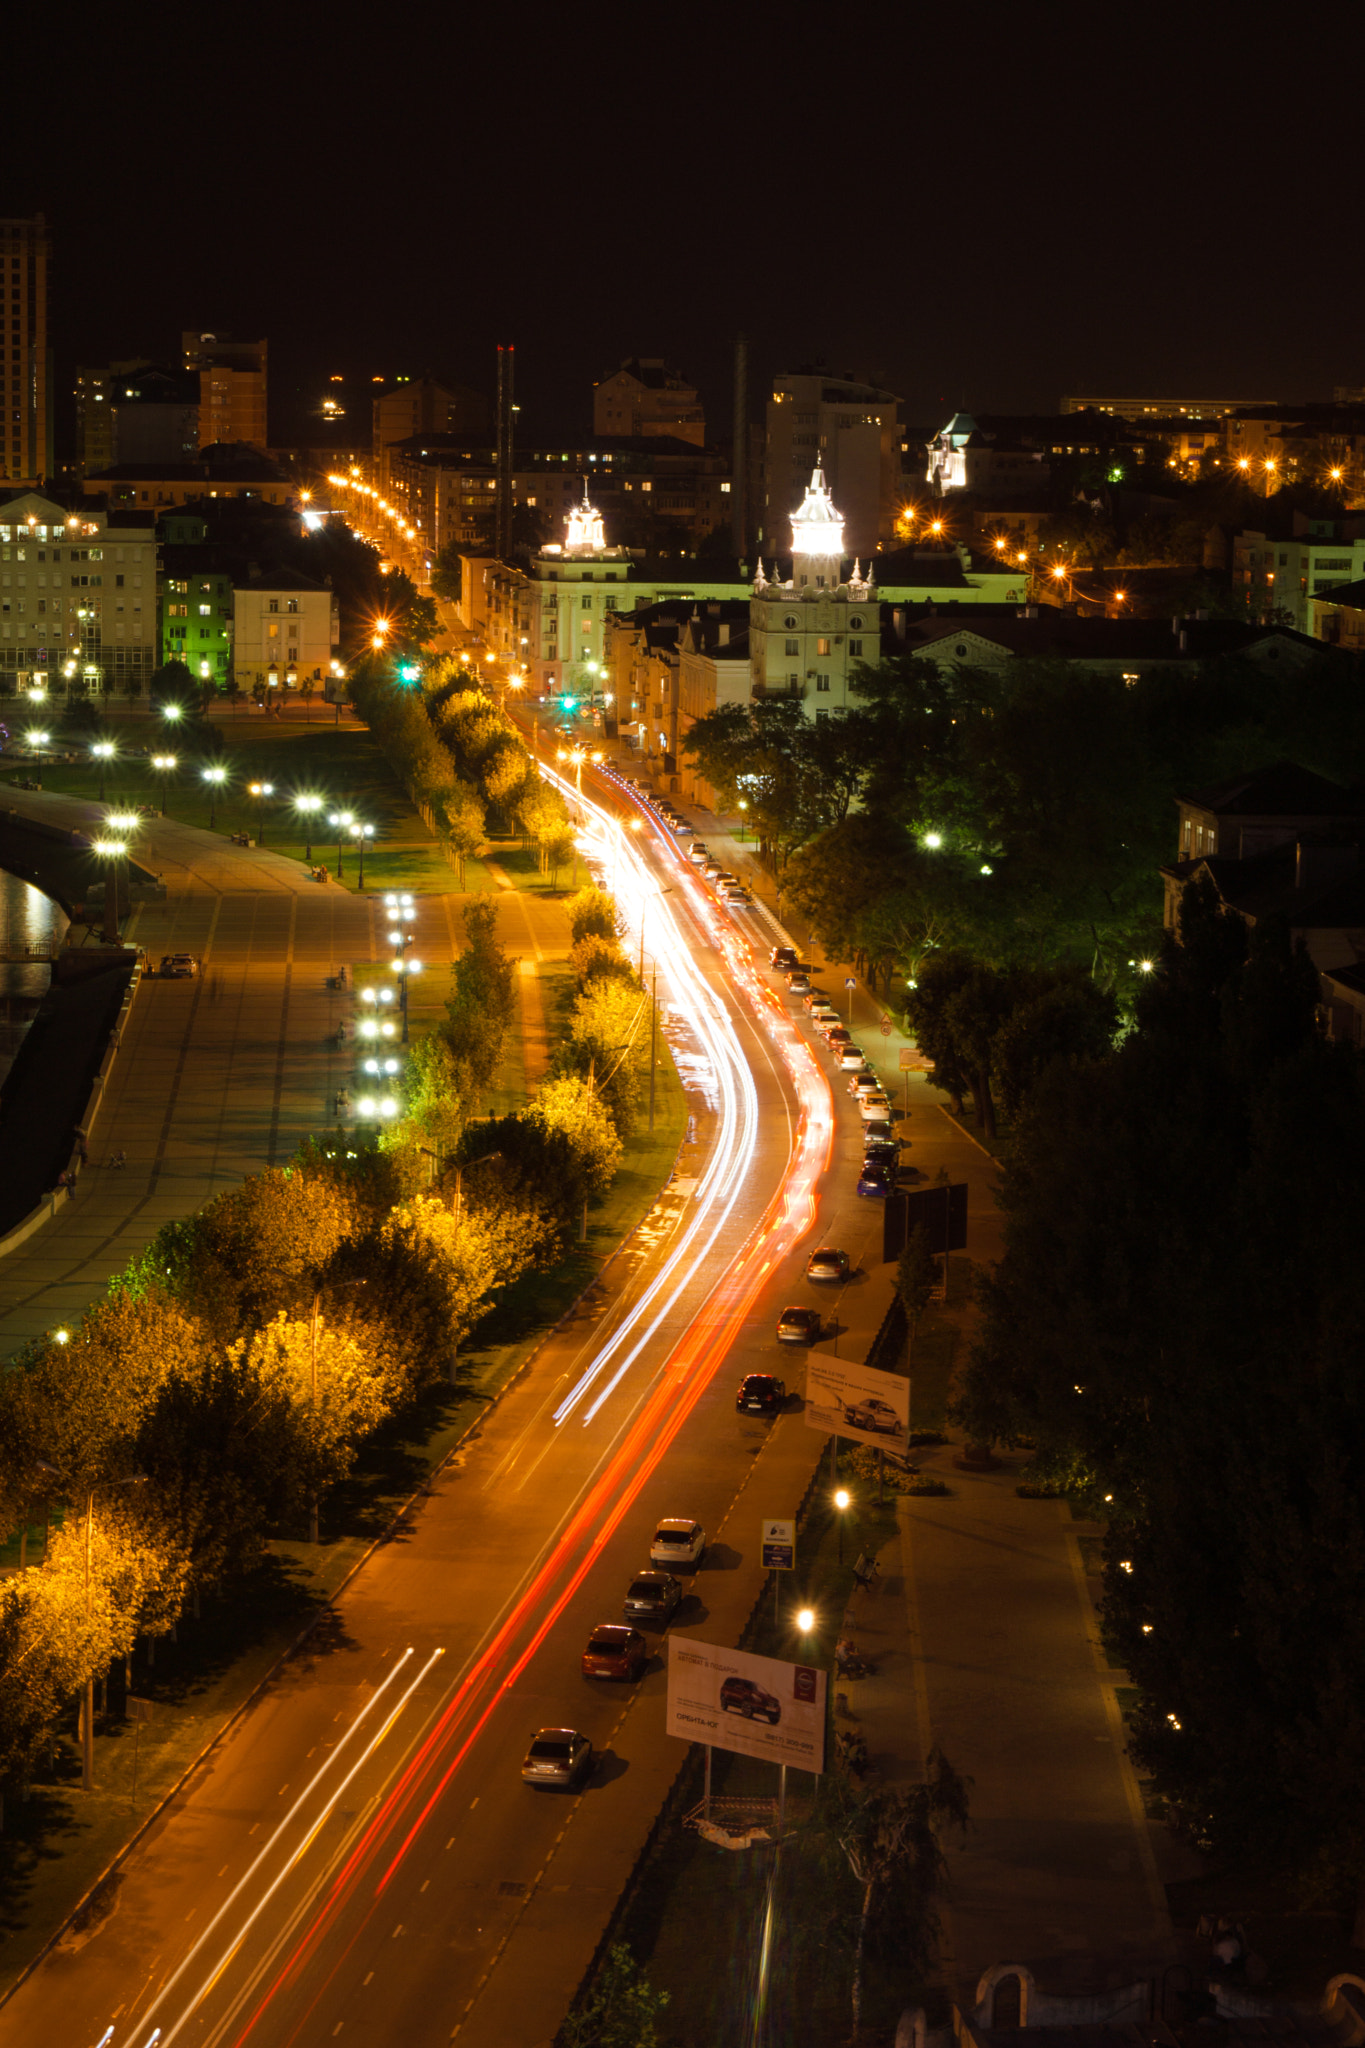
pixel 27 918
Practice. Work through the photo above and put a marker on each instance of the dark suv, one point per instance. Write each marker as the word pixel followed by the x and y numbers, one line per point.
pixel 760 1394
pixel 742 1696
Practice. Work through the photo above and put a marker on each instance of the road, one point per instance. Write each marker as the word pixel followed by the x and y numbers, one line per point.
pixel 363 1837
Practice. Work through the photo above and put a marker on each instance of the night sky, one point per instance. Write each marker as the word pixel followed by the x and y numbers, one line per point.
pixel 985 207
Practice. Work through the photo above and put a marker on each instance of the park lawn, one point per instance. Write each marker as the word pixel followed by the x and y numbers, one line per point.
pixel 341 764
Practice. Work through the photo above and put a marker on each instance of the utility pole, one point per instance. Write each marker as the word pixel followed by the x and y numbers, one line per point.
pixel 653 1037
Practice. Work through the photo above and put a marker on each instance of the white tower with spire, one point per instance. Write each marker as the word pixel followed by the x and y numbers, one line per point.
pixel 817 538
pixel 807 633
pixel 584 533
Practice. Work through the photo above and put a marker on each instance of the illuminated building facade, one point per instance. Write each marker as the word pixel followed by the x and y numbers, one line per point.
pixel 806 633
pixel 25 364
pixel 77 599
pixel 644 399
pixel 285 626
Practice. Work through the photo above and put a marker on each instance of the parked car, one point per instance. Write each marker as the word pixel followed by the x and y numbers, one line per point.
pixel 885 1149
pixel 615 1651
pixel 816 999
pixel 853 1060
pixel 866 1083
pixel 837 1035
pixel 179 966
pixel 760 1394
pixel 742 1696
pixel 798 981
pixel 677 1540
pixel 799 1325
pixel 874 1179
pixel 697 854
pixel 557 1756
pixel 877 1415
pixel 653 1596
pixel 827 1264
pixel 712 869
pixel 874 1106
pixel 783 957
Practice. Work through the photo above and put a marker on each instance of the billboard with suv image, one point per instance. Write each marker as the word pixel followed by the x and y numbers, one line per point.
pixel 757 1706
pixel 846 1398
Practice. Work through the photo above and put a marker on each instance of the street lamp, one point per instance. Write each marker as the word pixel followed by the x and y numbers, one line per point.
pixel 360 833
pixel 342 820
pixel 111 851
pixel 37 738
pixel 261 790
pixel 164 765
pixel 308 806
pixel 215 776
pixel 104 752
pixel 743 807
pixel 841 1501
pixel 172 713
pixel 664 890
pixel 88 1707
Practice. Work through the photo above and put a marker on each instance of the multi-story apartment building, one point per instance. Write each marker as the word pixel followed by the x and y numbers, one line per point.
pixel 286 630
pixel 645 399
pixel 232 387
pixel 135 412
pixel 1283 576
pixel 848 430
pixel 26 454
pixel 155 486
pixel 77 599
pixel 414 407
pixel 197 610
pixel 1160 408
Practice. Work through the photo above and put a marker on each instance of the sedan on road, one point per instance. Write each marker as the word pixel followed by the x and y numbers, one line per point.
pixel 698 854
pixel 827 1264
pixel 179 966
pixel 799 1325
pixel 615 1652
pixel 783 957
pixel 866 1083
pixel 678 1540
pixel 798 981
pixel 853 1060
pixel 653 1596
pixel 760 1394
pixel 874 1106
pixel 557 1756
pixel 874 1179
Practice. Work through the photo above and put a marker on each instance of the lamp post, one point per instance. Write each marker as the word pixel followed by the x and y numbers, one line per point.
pixel 743 807
pixel 401 935
pixel 88 1704
pixel 39 739
pixel 375 1027
pixel 261 790
pixel 215 775
pixel 341 819
pixel 164 765
pixel 112 851
pixel 308 806
pixel 172 713
pixel 841 1502
pixel 104 752
pixel 360 833
pixel 665 890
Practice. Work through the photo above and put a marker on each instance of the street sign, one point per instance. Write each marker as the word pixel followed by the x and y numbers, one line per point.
pixel 886 1027
pixel 909 1058
pixel 779 1546
pixel 849 981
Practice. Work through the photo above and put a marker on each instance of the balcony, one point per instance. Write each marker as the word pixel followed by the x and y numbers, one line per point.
pixel 768 692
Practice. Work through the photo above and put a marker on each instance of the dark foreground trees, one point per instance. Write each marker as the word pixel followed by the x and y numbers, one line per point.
pixel 1180 1316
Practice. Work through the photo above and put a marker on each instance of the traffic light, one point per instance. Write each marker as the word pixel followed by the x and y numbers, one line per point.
pixel 570 704
pixel 409 672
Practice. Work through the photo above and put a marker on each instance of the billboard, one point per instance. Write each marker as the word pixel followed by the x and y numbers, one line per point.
pixel 778 1543
pixel 757 1706
pixel 845 1398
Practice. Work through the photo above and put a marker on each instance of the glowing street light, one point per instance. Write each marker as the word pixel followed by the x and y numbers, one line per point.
pixel 841 1502
pixel 38 738
pixel 805 1619
pixel 260 791
pixel 164 764
pixel 215 775
pixel 341 820
pixel 104 752
pixel 933 840
pixel 308 806
pixel 172 713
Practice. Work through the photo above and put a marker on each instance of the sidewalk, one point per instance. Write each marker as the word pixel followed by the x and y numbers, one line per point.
pixel 984 1638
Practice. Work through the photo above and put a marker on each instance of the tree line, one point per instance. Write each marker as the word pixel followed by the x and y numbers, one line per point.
pixel 1177 1324
pixel 234 1370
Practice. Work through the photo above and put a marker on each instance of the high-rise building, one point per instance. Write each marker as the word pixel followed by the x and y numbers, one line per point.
pixel 232 387
pixel 644 398
pixel 26 373
pixel 135 412
pixel 848 430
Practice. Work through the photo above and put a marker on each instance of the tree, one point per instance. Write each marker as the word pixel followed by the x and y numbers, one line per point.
pixel 447 574
pixel 620 2011
pixel 592 912
pixel 173 683
pixel 569 1107
pixel 483 997
pixel 336 1392
pixel 465 824
pixel 594 955
pixel 917 1275
pixel 606 1042
pixel 891 1840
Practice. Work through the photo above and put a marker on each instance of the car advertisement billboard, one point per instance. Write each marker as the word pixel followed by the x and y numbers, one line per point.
pixel 844 1398
pixel 757 1706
